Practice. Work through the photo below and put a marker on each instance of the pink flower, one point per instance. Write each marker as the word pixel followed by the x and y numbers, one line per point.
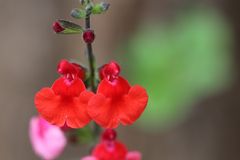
pixel 89 158
pixel 134 155
pixel 47 141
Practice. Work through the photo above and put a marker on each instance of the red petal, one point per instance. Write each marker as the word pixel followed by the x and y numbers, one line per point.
pixel 65 67
pixel 116 152
pixel 80 115
pixel 59 110
pixel 135 104
pixel 102 112
pixel 126 109
pixel 115 89
pixel 64 87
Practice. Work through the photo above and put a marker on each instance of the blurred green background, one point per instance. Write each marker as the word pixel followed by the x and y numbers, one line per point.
pixel 180 63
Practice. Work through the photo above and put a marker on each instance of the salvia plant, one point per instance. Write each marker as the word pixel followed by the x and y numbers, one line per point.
pixel 81 95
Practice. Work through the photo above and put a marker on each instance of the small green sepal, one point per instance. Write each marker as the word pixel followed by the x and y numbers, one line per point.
pixel 70 27
pixel 85 2
pixel 78 13
pixel 100 8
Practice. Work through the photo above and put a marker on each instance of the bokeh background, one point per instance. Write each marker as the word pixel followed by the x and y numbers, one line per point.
pixel 185 52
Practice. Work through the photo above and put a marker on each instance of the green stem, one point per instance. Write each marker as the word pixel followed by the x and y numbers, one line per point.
pixel 91 59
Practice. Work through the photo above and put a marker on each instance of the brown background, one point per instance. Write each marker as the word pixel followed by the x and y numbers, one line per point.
pixel 29 51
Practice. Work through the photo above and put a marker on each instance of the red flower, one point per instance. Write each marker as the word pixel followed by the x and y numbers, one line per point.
pixel 66 101
pixel 116 101
pixel 111 149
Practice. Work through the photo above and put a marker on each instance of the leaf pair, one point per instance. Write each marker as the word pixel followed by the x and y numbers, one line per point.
pixel 90 9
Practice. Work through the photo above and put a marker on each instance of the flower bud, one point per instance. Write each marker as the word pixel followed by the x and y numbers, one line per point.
pixel 57 27
pixel 66 27
pixel 88 36
pixel 109 135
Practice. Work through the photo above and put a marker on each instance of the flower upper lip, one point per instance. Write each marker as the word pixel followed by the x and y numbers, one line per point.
pixel 70 70
pixel 110 71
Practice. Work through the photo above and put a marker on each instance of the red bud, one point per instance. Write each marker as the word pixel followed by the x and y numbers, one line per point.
pixel 57 27
pixel 109 135
pixel 88 36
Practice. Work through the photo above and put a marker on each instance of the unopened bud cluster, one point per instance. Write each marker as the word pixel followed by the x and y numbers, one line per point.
pixel 86 9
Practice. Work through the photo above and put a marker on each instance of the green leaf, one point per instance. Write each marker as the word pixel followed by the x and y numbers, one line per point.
pixel 100 8
pixel 70 27
pixel 78 13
